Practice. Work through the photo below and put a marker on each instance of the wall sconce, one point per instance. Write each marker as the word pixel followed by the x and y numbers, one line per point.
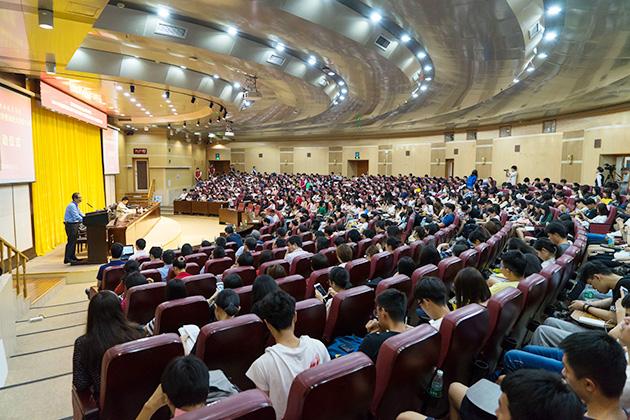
pixel 483 160
pixel 570 159
pixel 437 161
pixel 335 161
pixel 285 161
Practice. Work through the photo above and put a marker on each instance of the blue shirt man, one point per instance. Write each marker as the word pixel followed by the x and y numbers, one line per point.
pixel 72 218
pixel 233 237
pixel 73 213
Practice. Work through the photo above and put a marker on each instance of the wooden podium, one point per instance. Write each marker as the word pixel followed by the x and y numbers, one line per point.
pixel 96 223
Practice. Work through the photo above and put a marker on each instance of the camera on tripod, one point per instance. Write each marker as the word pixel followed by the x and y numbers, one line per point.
pixel 610 168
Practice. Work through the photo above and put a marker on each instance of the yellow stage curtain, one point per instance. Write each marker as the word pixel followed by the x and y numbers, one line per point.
pixel 67 160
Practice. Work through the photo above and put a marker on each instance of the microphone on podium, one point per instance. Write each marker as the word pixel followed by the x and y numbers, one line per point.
pixel 89 205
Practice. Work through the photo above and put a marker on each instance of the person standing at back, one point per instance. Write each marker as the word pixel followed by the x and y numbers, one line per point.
pixel 71 219
pixel 511 174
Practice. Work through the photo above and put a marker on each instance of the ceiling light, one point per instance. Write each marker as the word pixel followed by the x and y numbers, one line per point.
pixel 138 104
pixel 335 103
pixel 147 112
pixel 542 55
pixel 516 80
pixel 530 69
pixel 428 79
pixel 46 19
pixel 132 99
pixel 175 113
pixel 423 88
pixel 550 36
pixel 428 68
pixel 143 109
pixel 341 83
pixel 150 115
pixel 184 124
pixel 375 17
pixel 415 95
pixel 51 67
pixel 119 87
pixel 232 31
pixel 554 10
pixel 192 100
pixel 197 123
pixel 247 103
pixel 170 106
pixel 341 98
pixel 331 73
pixel 344 90
pixel 216 76
pixel 312 61
pixel 229 133
pixel 405 38
pixel 237 85
pixel 422 54
pixel 174 110
pixel 162 12
pixel 182 67
pixel 146 128
pixel 128 126
pixel 280 47
pixel 126 93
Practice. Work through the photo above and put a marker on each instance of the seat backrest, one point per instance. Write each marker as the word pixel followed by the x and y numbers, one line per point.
pixel 533 289
pixel 469 258
pixel 252 404
pixel 416 249
pixel 331 254
pixel 199 258
pixel 201 285
pixel 301 265
pixel 429 240
pixel 232 346
pixel 363 245
pixel 143 300
pixel 440 237
pixel 399 282
pixel 264 266
pixel 217 266
pixel 193 268
pixel 248 274
pixel 153 265
pixel 267 244
pixel 112 276
pixel 293 285
pixel 319 276
pixel 449 267
pixel 322 392
pixel 143 360
pixel 309 246
pixel 381 265
pixel 207 250
pixel 378 238
pixel 359 270
pixel 401 251
pixel 279 253
pixel 567 262
pixel 231 245
pixel 173 314
pixel 553 274
pixel 152 274
pixel 245 295
pixel 305 236
pixel 349 312
pixel 404 366
pixel 231 254
pixel 311 318
pixel 504 307
pixel 495 244
pixel 142 259
pixel 485 250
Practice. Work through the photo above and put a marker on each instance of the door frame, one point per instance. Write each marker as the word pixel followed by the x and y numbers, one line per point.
pixel 135 174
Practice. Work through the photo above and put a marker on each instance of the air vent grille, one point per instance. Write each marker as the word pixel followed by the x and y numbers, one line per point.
pixel 382 42
pixel 171 30
pixel 276 60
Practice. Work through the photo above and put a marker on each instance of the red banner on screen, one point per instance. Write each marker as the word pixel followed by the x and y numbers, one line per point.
pixel 110 152
pixel 61 102
pixel 16 139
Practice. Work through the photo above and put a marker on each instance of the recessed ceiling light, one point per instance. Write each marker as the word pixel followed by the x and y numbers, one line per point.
pixel 247 103
pixel 280 47
pixel 331 73
pixel 415 95
pixel 132 99
pixel 341 98
pixel 175 113
pixel 516 80
pixel 428 79
pixel 312 61
pixel 170 106
pixel 182 67
pixel 542 55
pixel 162 12
pixel 550 36
pixel 168 101
pixel 138 105
pixel 46 19
pixel 375 17
pixel 150 115
pixel 405 38
pixel 119 87
pixel 126 93
pixel 237 85
pixel 422 54
pixel 530 69
pixel 147 112
pixel 344 90
pixel 128 126
pixel 341 83
pixel 554 10
pixel 423 88
pixel 122 115
pixel 216 76
pixel 428 68
pixel 232 31
pixel 174 110
pixel 143 109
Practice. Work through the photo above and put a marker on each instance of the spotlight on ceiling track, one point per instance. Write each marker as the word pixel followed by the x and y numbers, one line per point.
pixel 550 36
pixel 516 80
pixel 312 61
pixel 414 95
pixel 237 85
pixel 428 68
pixel 554 10
pixel 163 13
pixel 197 123
pixel 542 55
pixel 423 88
pixel 132 88
pixel 405 38
pixel 216 76
pixel 166 94
pixel 192 100
pixel 422 54
pixel 341 83
pixel 232 31
pixel 280 47
pixel 211 104
pixel 46 20
pixel 376 17
pixel 51 67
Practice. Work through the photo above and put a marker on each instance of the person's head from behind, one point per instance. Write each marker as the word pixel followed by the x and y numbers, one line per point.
pixel 107 324
pixel 218 252
pixel 477 237
pixel 250 244
pixel 406 266
pixel 534 394
pixel 281 232
pixel 185 382
pixel 245 260
pixel 205 243
pixel 277 309
pixel 187 249
pixel 319 262
pixel 344 253
pixel 116 250
pixel 232 281
pixel 470 287
pixel 294 243
pixel 220 241
pixel 168 257
pixel 391 244
pixel 131 266
pixel 141 244
pixel 391 307
pixel 371 251
pixel 135 279
pixel 594 366
pixel 459 247
pixel 263 285
pixel 322 243
pixel 276 271
pixel 339 279
pixel 430 293
pixel 602 209
pixel 546 249
pixel 175 289
pixel 155 253
pixel 513 265
pixel 226 305
pixel 419 233
pixel 597 275
pixel 354 236
pixel 429 255
pixel 266 255
pixel 229 230
pixel 179 265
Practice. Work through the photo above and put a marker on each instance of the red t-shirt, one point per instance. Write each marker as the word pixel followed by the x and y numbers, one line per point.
pixel 182 275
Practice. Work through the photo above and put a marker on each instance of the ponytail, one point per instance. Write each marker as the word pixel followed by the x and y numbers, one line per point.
pixel 229 301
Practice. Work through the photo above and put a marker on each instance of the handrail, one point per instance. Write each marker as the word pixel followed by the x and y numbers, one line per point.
pixel 151 191
pixel 21 260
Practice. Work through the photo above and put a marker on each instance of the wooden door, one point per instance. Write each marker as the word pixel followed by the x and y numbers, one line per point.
pixel 221 166
pixel 450 167
pixel 362 167
pixel 141 172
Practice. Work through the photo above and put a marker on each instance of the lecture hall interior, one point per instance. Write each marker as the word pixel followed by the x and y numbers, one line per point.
pixel 314 209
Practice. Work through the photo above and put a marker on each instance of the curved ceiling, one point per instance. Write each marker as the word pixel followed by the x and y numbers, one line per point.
pixel 312 68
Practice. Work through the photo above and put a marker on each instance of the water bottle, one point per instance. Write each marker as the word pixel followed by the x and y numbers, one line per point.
pixel 589 293
pixel 611 241
pixel 436 385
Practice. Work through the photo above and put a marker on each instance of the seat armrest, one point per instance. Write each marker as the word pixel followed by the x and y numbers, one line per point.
pixel 84 406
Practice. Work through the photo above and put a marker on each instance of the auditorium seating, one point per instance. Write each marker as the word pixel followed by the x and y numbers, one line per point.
pixel 449 267
pixel 533 289
pixel 603 228
pixel 153 265
pixel 143 300
pixel 231 245
pixel 349 312
pixel 485 251
pixel 207 250
pixel 245 295
pixel 339 389
pixel 301 265
pixel 141 361
pixel 199 258
pixel 173 314
pixel 381 265
pixel 311 318
pixel 252 404
pixel 279 253
pixel 152 274
pixel 217 266
pixel 359 270
pixel 293 285
pixel 416 249
pixel 553 274
pixel 363 245
pixel 264 266
pixel 399 282
pixel 232 346
pixel 401 251
pixel 231 254
pixel 201 284
pixel 404 368
pixel 309 246
pixel 428 270
pixel 470 258
pixel 331 254
pixel 112 276
pixel 256 257
pixel 191 268
pixel 319 276
pixel 247 274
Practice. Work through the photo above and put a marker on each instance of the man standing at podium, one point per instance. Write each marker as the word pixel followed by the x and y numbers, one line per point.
pixel 72 218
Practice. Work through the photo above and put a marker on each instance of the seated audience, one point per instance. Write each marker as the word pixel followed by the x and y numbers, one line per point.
pixel 513 266
pixel 294 248
pixel 339 280
pixel 344 254
pixel 429 255
pixel 557 233
pixel 319 262
pixel 430 293
pixel 140 252
pixel 132 280
pixel 226 305
pixel 116 251
pixel 547 251
pixel 168 257
pixel 471 287
pixel 155 254
pixel 276 271
pixel 232 236
pixel 175 289
pixel 263 285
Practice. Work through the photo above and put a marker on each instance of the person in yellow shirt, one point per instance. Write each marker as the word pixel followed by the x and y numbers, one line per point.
pixel 513 264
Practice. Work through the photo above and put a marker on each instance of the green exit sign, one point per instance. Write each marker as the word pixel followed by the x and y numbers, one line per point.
pixel 356 155
pixel 217 156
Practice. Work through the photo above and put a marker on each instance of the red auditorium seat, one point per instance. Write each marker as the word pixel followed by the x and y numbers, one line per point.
pixel 252 404
pixel 153 265
pixel 152 274
pixel 568 265
pixel 339 389
pixel 359 270
pixel 469 258
pixel 378 238
pixel 245 295
pixel 399 282
pixel 504 307
pixel 301 265
pixel 428 270
pixel 484 255
pixel 293 285
pixel 553 274
pixel 217 266
pixel 231 245
pixel 319 276
pixel 404 367
pixel 199 258
pixel 279 253
pixel 381 265
pixel 349 312
pixel 256 257
pixel 604 228
pixel 463 334
pixel 309 246
pixel 363 245
pixel 207 250
pixel 311 318
pixel 173 314
pixel 201 285
pixel 191 268
pixel 331 254
pixel 533 289
pixel 143 300
pixel 306 236
pixel 429 241
pixel 141 360
pixel 264 266
pixel 232 346
pixel 495 244
pixel 142 259
pixel 440 237
pixel 247 274
pixel 112 276
pixel 449 267
pixel 231 254
pixel 267 244
pixel 401 251
pixel 355 248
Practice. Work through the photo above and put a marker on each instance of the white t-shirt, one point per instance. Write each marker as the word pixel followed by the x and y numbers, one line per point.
pixel 275 370
pixel 436 323
pixel 139 254
pixel 289 257
pixel 512 177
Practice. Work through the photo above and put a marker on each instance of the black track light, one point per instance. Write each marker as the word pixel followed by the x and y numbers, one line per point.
pixel 169 126
pixel 184 124
pixel 192 100
pixel 132 88
pixel 197 123
pixel 211 104
pixel 166 94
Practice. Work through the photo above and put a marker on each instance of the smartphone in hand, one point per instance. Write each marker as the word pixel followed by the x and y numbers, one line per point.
pixel 321 290
pixel 219 286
